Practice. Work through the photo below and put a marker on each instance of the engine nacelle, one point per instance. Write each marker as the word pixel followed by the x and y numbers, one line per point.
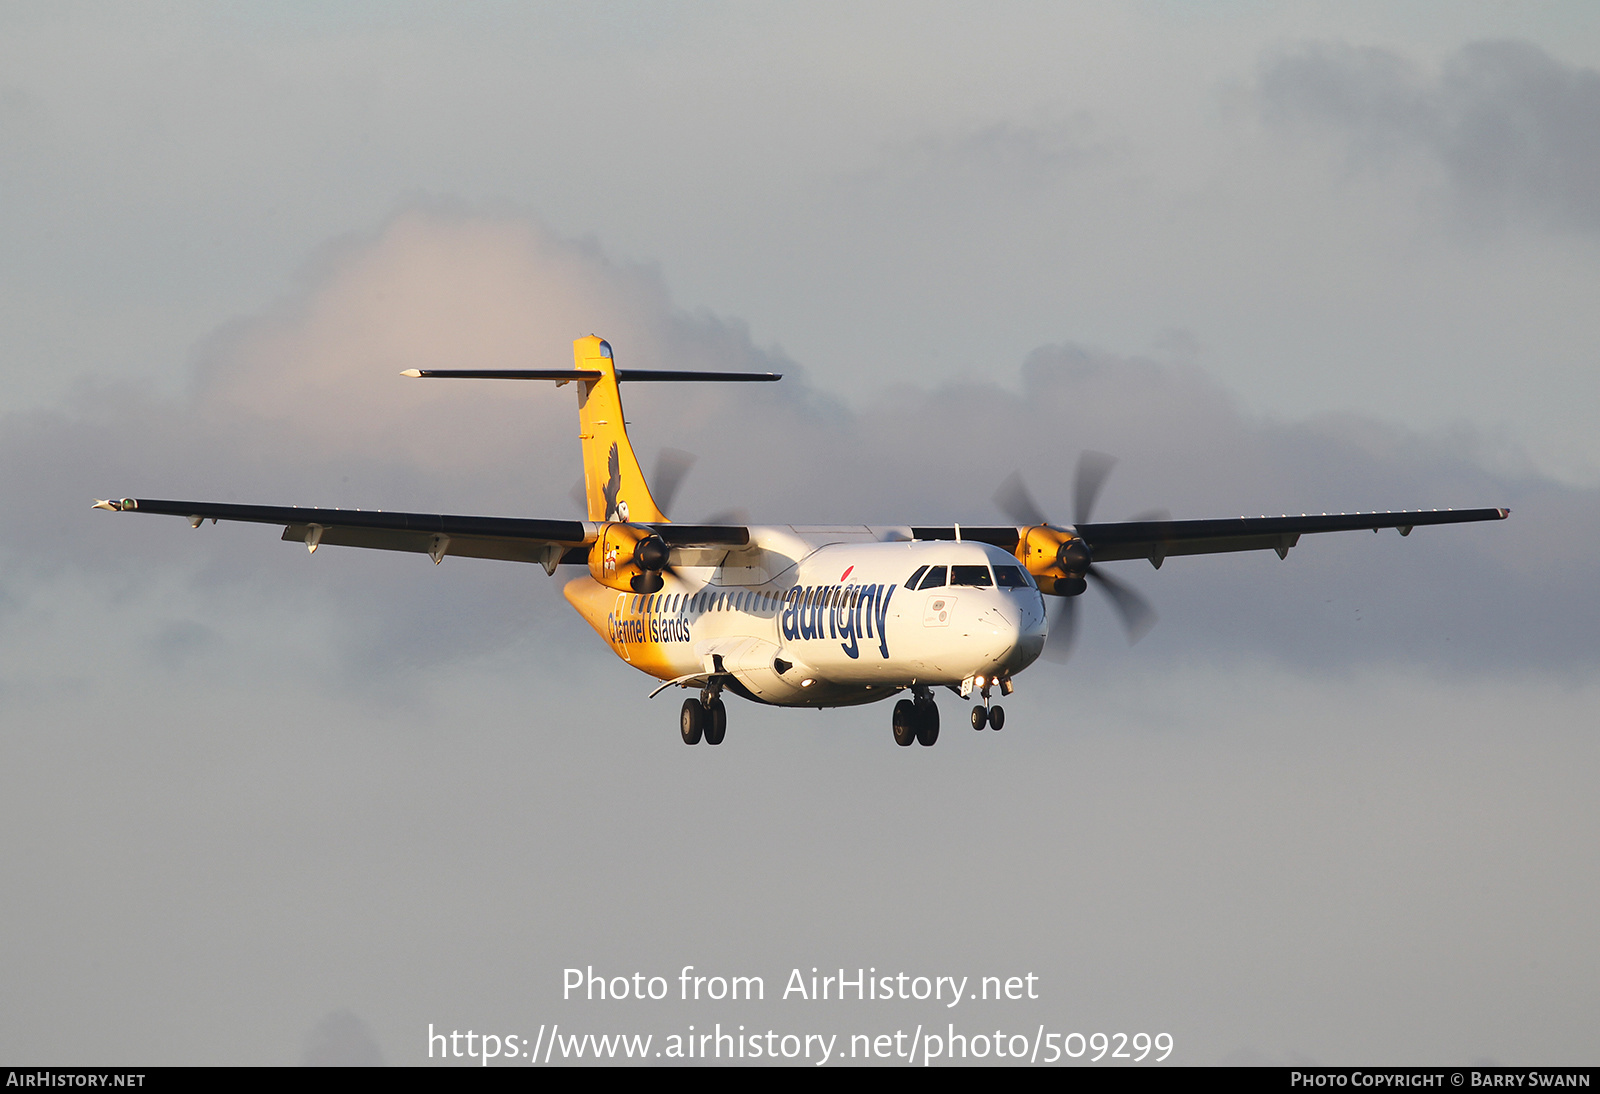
pixel 628 558
pixel 1057 559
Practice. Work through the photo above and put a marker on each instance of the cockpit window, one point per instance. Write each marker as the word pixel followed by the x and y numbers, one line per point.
pixel 1011 577
pixel 934 578
pixel 911 582
pixel 971 575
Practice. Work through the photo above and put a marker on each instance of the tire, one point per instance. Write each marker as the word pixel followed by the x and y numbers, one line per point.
pixel 980 717
pixel 905 723
pixel 927 723
pixel 997 719
pixel 691 721
pixel 716 723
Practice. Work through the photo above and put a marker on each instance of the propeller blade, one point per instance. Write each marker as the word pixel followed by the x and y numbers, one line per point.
pixel 671 467
pixel 1063 629
pixel 1136 613
pixel 1015 501
pixel 1093 467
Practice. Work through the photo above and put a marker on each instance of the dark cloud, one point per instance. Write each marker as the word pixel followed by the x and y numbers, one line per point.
pixel 1516 130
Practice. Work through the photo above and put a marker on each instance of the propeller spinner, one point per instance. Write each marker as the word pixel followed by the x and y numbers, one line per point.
pixel 1061 561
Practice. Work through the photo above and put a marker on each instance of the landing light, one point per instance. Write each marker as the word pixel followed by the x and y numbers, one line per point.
pixel 805 683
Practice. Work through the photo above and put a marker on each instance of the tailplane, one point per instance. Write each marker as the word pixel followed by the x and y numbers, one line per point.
pixel 613 484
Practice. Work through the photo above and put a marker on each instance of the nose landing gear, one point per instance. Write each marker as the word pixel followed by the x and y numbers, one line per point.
pixel 993 717
pixel 985 715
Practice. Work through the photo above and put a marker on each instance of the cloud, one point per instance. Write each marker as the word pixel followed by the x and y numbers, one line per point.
pixel 1516 131
pixel 303 405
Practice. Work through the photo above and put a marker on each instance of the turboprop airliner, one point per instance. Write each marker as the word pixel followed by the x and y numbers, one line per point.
pixel 799 616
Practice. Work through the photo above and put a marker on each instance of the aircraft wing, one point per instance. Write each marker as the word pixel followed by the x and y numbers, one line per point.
pixel 515 539
pixel 1157 540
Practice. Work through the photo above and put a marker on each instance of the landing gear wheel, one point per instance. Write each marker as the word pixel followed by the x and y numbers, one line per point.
pixel 905 722
pixel 716 722
pixel 997 719
pixel 980 717
pixel 692 721
pixel 927 722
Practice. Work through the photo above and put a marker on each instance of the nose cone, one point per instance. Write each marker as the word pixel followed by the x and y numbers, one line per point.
pixel 1031 628
pixel 1017 627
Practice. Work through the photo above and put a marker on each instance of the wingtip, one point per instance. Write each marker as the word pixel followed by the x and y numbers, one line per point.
pixel 1504 513
pixel 414 373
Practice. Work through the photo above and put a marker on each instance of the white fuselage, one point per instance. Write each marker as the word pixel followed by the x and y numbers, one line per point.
pixel 825 616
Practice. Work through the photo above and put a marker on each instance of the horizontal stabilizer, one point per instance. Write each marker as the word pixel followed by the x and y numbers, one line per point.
pixel 567 375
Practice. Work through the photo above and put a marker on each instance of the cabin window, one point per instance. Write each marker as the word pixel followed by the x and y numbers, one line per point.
pixel 934 578
pixel 971 575
pixel 1012 577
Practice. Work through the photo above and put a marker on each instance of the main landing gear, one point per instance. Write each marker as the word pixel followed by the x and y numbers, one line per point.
pixel 705 716
pixel 916 719
pixel 985 715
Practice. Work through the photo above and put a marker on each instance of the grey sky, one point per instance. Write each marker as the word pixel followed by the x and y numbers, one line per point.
pixel 262 807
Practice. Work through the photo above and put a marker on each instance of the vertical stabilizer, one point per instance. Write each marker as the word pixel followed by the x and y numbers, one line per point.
pixel 613 483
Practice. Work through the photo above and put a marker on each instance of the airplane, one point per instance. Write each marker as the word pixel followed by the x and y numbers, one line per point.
pixel 798 616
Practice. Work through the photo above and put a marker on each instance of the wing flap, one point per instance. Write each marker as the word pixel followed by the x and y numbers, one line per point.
pixel 433 544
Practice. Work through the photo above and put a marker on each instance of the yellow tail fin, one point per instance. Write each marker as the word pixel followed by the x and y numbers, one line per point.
pixel 613 482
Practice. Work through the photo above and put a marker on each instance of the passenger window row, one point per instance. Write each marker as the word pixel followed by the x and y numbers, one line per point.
pixel 925 577
pixel 668 603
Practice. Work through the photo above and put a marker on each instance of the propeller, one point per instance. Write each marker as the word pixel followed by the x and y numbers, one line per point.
pixel 672 467
pixel 1017 503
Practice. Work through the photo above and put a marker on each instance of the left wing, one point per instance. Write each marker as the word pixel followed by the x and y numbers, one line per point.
pixel 1157 540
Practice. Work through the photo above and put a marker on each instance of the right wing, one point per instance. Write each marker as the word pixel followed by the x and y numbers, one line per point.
pixel 514 539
